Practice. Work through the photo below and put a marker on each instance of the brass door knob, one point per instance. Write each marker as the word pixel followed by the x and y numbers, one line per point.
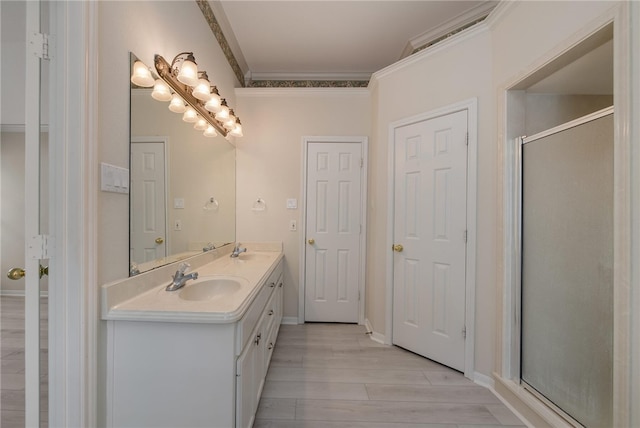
pixel 15 273
pixel 311 241
pixel 159 241
pixel 398 248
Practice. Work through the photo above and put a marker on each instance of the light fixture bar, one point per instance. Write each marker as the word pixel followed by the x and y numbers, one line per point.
pixel 164 71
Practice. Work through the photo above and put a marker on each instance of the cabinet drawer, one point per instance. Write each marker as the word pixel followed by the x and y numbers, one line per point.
pixel 250 319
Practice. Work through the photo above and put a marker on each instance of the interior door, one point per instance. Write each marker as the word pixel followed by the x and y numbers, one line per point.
pixel 25 214
pixel 430 238
pixel 148 215
pixel 333 208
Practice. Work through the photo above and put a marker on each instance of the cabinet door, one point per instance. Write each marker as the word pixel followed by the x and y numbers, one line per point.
pixel 245 386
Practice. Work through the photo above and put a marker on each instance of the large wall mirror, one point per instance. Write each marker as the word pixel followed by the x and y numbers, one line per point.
pixel 182 193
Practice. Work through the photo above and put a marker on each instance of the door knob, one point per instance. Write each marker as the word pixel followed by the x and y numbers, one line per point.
pixel 17 273
pixel 159 240
pixel 398 248
pixel 312 241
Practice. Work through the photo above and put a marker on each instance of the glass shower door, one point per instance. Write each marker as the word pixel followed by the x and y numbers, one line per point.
pixel 567 268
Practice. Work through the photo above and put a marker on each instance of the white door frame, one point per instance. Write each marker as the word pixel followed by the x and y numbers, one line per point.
pixel 74 216
pixel 471 106
pixel 364 141
pixel 165 145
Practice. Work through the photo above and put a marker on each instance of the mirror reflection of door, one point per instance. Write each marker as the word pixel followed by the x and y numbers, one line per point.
pixel 24 215
pixel 148 206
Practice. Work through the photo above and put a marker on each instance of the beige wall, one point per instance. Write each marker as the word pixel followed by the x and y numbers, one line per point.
pixel 269 160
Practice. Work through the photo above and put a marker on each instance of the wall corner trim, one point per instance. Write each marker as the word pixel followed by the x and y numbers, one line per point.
pixel 375 336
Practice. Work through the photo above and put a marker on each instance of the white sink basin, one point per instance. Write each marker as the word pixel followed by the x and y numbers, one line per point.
pixel 208 288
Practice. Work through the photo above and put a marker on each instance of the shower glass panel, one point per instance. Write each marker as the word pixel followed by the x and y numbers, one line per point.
pixel 567 269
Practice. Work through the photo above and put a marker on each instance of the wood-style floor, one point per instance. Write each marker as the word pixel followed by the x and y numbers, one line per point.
pixel 321 376
pixel 12 362
pixel 334 376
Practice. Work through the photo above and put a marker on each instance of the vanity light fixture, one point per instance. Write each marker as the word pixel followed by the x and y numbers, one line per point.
pixel 237 130
pixel 193 88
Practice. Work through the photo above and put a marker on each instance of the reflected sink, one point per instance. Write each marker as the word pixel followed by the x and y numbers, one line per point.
pixel 208 288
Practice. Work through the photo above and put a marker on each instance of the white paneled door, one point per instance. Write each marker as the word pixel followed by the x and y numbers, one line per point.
pixel 430 238
pixel 333 227
pixel 148 224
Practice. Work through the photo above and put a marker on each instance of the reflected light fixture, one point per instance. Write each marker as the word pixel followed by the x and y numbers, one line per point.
pixel 177 104
pixel 188 71
pixel 210 132
pixel 237 130
pixel 141 75
pixel 201 124
pixel 190 115
pixel 161 91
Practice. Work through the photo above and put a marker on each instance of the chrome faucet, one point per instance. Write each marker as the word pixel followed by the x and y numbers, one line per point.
pixel 180 279
pixel 237 250
pixel 209 247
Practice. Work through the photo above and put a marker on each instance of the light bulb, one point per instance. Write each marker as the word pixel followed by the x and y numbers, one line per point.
pixel 161 91
pixel 213 105
pixel 201 124
pixel 210 132
pixel 223 114
pixel 188 73
pixel 190 115
pixel 177 104
pixel 141 75
pixel 202 90
pixel 237 130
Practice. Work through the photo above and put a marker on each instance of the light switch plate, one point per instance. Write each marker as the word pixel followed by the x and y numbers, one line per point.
pixel 113 178
pixel 178 203
pixel 292 204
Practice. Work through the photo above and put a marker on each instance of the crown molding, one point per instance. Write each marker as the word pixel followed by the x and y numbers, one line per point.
pixel 447 43
pixel 253 76
pixel 302 92
pixel 499 12
pixel 451 26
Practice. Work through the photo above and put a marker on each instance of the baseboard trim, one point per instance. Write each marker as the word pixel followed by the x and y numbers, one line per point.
pixel 19 293
pixel 484 380
pixel 289 320
pixel 376 337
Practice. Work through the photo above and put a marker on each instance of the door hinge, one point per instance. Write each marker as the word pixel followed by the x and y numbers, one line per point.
pixel 39 45
pixel 358 295
pixel 465 236
pixel 361 162
pixel 38 247
pixel 464 332
pixel 466 139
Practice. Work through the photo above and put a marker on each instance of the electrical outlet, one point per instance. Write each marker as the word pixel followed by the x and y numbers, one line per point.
pixel 293 226
pixel 177 225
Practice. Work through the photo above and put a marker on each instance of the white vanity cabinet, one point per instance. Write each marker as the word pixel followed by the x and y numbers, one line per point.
pixel 253 362
pixel 192 372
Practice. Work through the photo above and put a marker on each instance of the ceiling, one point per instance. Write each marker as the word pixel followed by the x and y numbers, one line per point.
pixel 334 40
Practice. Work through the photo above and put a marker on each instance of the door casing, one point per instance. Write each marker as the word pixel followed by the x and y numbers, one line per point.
pixel 471 105
pixel 364 142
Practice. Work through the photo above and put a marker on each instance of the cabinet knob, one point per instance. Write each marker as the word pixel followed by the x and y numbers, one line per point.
pixel 271 312
pixel 273 284
pixel 258 337
pixel 280 285
pixel 270 347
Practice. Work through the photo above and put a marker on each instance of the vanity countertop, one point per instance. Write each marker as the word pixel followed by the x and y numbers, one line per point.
pixel 141 298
